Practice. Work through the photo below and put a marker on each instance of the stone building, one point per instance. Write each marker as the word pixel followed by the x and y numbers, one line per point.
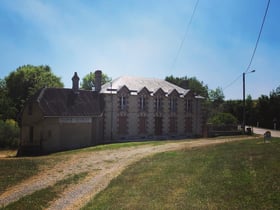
pixel 126 109
pixel 141 108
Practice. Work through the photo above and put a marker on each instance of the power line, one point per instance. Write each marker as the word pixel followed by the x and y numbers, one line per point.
pixel 185 35
pixel 230 84
pixel 255 48
pixel 259 36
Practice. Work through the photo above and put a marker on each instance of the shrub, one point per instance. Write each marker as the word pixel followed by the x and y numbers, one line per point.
pixel 222 118
pixel 9 134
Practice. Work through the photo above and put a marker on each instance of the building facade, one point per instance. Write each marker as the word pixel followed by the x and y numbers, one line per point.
pixel 145 108
pixel 126 109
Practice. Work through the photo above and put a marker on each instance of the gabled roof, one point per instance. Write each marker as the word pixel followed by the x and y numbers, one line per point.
pixel 64 102
pixel 144 90
pixel 136 84
pixel 173 92
pixel 159 91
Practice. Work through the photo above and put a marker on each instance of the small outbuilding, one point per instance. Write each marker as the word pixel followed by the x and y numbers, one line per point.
pixel 57 119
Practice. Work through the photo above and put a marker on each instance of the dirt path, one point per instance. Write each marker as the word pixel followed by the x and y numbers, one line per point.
pixel 102 167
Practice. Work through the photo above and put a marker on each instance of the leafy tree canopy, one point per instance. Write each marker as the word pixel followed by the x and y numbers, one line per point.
pixel 217 96
pixel 88 80
pixel 28 79
pixel 192 83
pixel 7 109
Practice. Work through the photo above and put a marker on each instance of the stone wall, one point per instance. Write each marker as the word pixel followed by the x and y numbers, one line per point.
pixel 132 114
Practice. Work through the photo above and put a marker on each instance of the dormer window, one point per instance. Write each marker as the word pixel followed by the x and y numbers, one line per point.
pixel 143 96
pixel 173 104
pixel 173 95
pixel 142 103
pixel 123 102
pixel 123 96
pixel 158 104
pixel 188 105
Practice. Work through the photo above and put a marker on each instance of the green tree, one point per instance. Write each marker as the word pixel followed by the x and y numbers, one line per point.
pixel 215 101
pixel 9 134
pixel 235 107
pixel 216 96
pixel 27 80
pixel 88 81
pixel 192 83
pixel 268 110
pixel 7 109
pixel 278 90
pixel 250 111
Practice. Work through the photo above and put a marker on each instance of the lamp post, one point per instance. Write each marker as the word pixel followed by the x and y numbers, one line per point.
pixel 244 121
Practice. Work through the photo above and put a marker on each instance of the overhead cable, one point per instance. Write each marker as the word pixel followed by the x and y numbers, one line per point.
pixel 255 48
pixel 185 35
pixel 259 36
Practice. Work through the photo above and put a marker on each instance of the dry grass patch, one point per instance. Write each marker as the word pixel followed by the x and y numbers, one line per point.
pixel 41 199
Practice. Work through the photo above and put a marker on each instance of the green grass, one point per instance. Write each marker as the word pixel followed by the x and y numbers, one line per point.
pixel 237 175
pixel 42 198
pixel 15 170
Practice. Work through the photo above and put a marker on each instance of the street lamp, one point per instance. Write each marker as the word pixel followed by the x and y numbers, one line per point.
pixel 243 123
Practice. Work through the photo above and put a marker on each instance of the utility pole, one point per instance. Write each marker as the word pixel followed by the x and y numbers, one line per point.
pixel 244 111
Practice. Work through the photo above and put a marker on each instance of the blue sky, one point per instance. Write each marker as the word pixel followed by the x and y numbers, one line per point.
pixel 142 38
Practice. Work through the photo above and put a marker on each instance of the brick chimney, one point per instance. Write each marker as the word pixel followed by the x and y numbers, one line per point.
pixel 98 78
pixel 75 83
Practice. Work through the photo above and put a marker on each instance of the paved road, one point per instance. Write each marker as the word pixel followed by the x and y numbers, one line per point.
pixel 274 133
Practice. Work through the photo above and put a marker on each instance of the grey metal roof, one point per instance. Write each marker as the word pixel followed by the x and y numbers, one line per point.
pixel 136 84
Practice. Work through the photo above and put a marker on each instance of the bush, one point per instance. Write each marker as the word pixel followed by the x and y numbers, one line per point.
pixel 9 134
pixel 223 119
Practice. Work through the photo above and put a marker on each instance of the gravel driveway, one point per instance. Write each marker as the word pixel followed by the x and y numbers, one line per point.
pixel 102 167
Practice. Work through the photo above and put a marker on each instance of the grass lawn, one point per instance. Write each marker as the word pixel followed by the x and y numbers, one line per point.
pixel 238 175
pixel 14 170
pixel 41 199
